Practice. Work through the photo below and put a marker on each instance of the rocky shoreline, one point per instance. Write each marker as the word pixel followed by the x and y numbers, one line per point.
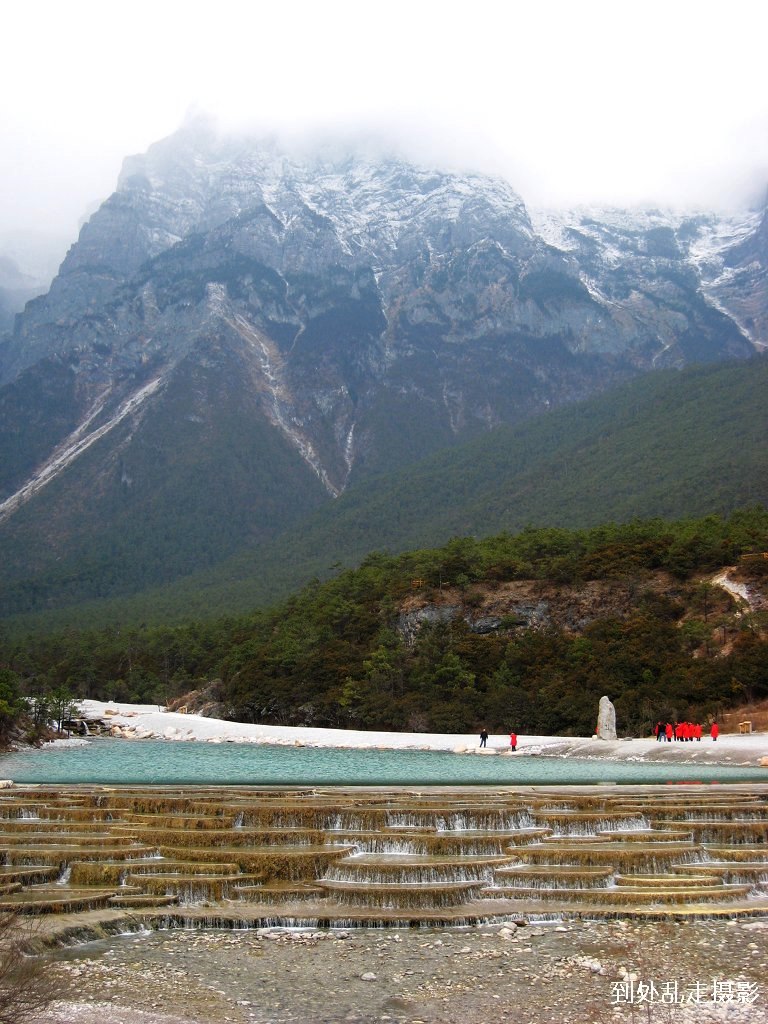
pixel 579 973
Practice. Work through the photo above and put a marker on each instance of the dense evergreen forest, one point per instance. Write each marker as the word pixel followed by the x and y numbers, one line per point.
pixel 424 641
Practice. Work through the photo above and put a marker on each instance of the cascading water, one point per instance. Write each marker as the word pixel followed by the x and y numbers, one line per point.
pixel 241 858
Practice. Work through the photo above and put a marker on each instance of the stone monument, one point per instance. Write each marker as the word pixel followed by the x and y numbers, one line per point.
pixel 606 720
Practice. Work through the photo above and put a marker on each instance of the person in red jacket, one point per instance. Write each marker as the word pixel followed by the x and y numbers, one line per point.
pixel 513 742
pixel 714 731
pixel 670 732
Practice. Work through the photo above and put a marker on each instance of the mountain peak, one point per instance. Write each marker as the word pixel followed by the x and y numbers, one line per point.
pixel 307 317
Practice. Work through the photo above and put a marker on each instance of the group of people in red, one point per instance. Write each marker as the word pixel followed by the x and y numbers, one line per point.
pixel 683 731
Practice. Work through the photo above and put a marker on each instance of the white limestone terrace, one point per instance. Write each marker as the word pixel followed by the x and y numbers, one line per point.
pixel 148 721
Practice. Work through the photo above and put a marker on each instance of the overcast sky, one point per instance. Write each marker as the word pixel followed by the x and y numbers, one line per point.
pixel 582 101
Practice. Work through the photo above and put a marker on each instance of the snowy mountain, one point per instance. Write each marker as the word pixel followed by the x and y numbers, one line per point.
pixel 721 257
pixel 240 331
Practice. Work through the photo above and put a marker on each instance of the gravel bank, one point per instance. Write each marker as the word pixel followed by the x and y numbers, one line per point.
pixel 576 973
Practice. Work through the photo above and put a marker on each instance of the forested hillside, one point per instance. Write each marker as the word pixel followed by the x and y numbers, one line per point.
pixel 669 444
pixel 524 631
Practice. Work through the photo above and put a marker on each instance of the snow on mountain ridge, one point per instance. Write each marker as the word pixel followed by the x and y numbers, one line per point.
pixel 606 239
pixel 714 233
pixel 195 183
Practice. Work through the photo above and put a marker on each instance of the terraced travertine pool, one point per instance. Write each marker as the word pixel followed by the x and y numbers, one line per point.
pixel 96 860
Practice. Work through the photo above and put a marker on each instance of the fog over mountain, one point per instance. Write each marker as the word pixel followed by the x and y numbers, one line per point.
pixel 597 102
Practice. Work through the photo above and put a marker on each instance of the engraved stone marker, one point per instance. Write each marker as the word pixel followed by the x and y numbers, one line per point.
pixel 606 720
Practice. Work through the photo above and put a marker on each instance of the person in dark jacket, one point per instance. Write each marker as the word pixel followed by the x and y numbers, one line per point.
pixel 483 737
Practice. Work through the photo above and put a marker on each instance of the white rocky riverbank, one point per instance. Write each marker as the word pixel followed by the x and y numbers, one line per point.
pixel 148 721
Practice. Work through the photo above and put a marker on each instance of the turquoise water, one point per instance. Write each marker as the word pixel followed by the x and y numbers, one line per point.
pixel 160 762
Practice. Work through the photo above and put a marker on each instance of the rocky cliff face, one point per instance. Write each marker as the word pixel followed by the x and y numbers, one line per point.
pixel 348 315
pixel 739 281
pixel 514 607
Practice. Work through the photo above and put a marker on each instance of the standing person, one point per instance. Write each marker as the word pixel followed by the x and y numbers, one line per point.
pixel 714 730
pixel 669 732
pixel 660 732
pixel 483 737
pixel 513 741
pixel 697 732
